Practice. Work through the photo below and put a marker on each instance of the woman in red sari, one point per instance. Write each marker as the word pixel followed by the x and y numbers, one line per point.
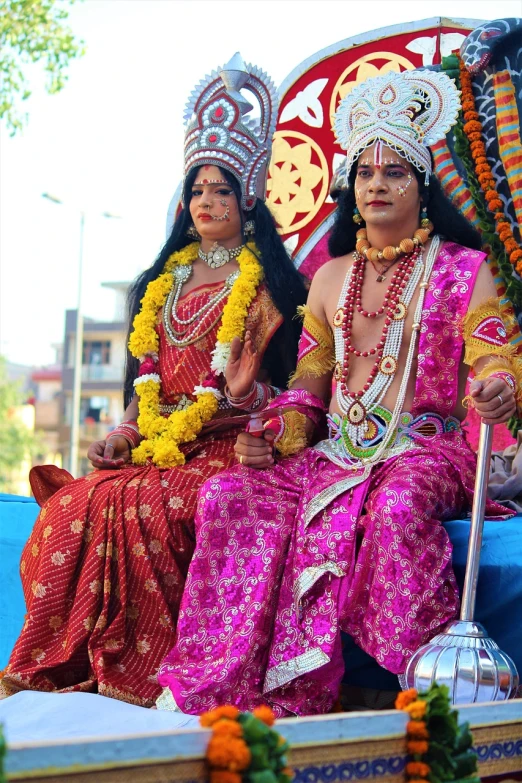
pixel 104 569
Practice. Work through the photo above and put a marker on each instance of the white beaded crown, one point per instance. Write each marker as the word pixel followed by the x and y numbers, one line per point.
pixel 218 133
pixel 406 111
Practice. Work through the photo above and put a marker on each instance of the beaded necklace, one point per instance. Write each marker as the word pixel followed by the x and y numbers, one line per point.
pixel 357 406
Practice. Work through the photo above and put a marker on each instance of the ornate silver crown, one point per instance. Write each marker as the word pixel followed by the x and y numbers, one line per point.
pixel 218 132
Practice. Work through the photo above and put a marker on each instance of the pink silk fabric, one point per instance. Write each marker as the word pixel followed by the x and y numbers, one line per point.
pixel 287 557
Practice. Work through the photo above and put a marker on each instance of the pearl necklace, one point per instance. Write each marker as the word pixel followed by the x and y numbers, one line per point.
pixel 181 337
pixel 357 408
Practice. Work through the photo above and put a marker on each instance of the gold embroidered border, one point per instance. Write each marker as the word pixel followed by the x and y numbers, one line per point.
pixel 324 498
pixel 288 670
pixel 307 578
pixel 166 701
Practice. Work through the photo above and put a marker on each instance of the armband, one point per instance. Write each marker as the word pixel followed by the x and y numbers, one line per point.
pixel 316 354
pixel 485 334
pixel 508 369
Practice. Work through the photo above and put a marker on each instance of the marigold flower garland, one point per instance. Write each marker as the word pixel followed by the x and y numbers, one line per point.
pixel 440 748
pixel 473 130
pixel 163 436
pixel 244 748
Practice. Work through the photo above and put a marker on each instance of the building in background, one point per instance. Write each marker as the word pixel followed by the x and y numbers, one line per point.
pixel 103 366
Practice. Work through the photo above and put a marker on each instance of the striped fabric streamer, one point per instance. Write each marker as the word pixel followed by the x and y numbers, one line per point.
pixel 508 133
pixel 452 183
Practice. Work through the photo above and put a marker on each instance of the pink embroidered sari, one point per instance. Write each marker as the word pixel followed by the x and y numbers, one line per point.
pixel 289 556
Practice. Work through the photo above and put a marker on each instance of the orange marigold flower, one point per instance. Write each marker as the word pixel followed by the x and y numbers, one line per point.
pixel 503 225
pixel 515 256
pixel 491 194
pixel 228 728
pixel 470 115
pixel 417 729
pixel 485 177
pixel 417 769
pixel 495 204
pixel 505 235
pixel 265 714
pixel 511 245
pixel 405 698
pixel 228 753
pixel 225 776
pixel 482 168
pixel 499 216
pixel 474 136
pixel 209 718
pixel 417 747
pixel 478 148
pixel 468 105
pixel 472 126
pixel 417 709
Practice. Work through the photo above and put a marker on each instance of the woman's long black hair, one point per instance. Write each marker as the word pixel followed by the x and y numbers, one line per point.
pixel 283 281
pixel 447 221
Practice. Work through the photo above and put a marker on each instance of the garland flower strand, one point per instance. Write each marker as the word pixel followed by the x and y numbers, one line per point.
pixel 244 748
pixel 439 748
pixel 163 436
pixel 473 130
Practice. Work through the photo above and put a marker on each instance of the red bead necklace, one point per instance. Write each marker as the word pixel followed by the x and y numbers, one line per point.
pixel 391 308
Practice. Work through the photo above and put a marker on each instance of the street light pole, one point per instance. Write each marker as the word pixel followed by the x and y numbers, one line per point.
pixel 78 362
pixel 74 443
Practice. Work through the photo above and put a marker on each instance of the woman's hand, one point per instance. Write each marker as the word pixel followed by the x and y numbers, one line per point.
pixel 493 400
pixel 242 366
pixel 111 453
pixel 255 452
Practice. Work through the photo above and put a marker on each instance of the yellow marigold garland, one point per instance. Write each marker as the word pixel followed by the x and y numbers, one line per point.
pixel 473 130
pixel 244 746
pixel 163 436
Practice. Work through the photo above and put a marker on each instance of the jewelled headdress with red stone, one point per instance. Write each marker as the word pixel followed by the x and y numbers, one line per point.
pixel 218 132
pixel 407 112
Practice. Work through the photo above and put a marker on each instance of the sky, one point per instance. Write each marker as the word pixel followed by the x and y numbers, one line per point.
pixel 112 140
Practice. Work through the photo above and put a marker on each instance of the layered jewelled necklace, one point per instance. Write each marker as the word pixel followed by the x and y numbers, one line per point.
pixel 357 406
pixel 185 331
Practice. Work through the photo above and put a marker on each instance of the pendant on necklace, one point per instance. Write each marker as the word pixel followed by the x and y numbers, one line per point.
pixel 381 278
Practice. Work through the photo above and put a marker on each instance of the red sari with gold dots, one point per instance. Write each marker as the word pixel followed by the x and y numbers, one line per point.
pixel 104 569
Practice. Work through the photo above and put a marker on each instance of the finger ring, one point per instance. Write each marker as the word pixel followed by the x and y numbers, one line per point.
pixel 112 447
pixel 501 400
pixel 241 459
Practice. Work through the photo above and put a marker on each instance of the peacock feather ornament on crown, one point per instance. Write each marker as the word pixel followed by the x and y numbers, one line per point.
pixel 218 132
pixel 407 112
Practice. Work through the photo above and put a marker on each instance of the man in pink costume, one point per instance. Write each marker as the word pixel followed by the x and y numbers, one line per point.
pixel 347 535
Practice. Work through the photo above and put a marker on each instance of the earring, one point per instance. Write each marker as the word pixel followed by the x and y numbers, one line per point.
pixel 424 217
pixel 249 229
pixel 357 217
pixel 193 233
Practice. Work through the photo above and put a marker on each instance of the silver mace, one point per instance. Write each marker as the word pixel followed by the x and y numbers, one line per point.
pixel 463 656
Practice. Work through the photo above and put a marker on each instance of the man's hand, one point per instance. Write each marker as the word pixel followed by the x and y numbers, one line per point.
pixel 493 400
pixel 111 453
pixel 255 452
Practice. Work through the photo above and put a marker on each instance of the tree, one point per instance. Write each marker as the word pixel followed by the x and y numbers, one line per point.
pixel 32 31
pixel 17 442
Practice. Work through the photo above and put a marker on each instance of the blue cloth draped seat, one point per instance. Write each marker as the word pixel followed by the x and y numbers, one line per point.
pixel 499 594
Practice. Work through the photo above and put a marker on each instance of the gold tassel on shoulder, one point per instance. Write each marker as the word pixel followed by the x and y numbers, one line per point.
pixel 316 347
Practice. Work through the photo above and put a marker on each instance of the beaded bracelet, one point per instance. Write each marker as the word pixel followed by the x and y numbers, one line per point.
pixel 128 430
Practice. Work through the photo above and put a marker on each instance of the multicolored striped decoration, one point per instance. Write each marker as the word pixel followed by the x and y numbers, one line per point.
pixel 508 134
pixel 452 183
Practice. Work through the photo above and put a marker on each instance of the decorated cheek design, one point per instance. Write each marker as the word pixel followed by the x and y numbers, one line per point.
pixel 404 187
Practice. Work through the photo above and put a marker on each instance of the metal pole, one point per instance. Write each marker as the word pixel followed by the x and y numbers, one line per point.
pixel 469 593
pixel 78 353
